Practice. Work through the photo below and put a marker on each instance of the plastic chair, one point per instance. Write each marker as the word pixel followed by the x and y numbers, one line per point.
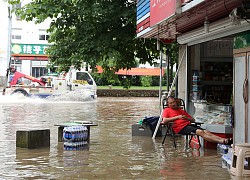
pixel 169 126
pixel 241 160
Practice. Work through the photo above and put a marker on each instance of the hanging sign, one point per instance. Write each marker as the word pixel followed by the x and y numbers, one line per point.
pixel 29 49
pixel 161 10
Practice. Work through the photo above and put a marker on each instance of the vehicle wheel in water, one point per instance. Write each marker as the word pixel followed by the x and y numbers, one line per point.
pixel 20 91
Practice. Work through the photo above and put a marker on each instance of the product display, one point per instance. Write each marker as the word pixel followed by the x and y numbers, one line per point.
pixel 212 114
pixel 217 81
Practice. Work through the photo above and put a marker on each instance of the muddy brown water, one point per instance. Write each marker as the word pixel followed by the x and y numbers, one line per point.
pixel 113 153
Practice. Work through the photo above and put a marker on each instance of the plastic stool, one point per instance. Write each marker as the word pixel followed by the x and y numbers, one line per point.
pixel 241 160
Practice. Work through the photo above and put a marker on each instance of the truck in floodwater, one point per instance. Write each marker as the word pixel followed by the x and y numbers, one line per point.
pixel 45 86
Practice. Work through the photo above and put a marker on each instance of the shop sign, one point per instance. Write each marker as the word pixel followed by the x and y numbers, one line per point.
pixel 218 48
pixel 29 49
pixel 142 16
pixel 161 10
pixel 242 40
pixel 143 25
pixel 143 8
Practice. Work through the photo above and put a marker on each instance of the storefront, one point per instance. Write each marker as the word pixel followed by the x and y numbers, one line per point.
pixel 207 72
pixel 30 59
pixel 241 87
pixel 217 77
pixel 213 74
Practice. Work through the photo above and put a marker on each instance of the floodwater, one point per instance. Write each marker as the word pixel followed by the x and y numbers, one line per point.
pixel 113 153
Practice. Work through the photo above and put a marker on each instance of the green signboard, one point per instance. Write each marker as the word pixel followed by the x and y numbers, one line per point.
pixel 29 49
pixel 242 40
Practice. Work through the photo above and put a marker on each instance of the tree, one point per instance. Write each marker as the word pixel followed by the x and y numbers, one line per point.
pixel 97 32
pixel 173 55
pixel 146 81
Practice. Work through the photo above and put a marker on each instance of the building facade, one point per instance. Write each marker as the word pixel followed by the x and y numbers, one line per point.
pixel 24 44
pixel 214 54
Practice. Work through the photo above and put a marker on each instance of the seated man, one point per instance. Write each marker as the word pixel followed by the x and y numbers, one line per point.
pixel 182 123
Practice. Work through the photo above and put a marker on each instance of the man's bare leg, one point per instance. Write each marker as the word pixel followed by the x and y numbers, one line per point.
pixel 207 135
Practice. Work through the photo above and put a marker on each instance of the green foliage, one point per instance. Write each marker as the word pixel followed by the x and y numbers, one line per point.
pixel 172 52
pixel 99 32
pixel 95 32
pixel 126 83
pixel 135 81
pixel 155 80
pixel 131 87
pixel 102 79
pixel 119 80
pixel 146 81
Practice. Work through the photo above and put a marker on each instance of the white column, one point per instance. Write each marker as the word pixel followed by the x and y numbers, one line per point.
pixel 4 37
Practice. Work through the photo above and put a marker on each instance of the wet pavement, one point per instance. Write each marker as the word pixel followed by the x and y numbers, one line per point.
pixel 113 153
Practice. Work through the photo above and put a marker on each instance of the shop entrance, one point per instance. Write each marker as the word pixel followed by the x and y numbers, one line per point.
pixel 210 85
pixel 211 72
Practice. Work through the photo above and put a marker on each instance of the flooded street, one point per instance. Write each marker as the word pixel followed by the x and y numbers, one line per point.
pixel 113 152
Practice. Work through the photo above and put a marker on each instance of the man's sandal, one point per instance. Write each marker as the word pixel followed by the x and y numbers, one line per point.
pixel 228 141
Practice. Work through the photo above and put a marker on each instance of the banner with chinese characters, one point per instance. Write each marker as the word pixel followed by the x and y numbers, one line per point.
pixel 29 49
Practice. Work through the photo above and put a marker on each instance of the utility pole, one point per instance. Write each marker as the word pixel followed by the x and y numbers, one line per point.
pixel 8 58
pixel 160 83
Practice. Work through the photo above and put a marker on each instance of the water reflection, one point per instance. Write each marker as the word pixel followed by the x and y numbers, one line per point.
pixel 112 154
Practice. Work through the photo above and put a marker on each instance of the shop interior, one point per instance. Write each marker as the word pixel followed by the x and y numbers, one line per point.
pixel 210 80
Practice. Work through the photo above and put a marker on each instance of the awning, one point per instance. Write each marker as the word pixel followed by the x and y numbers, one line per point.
pixel 136 71
pixel 193 15
pixel 217 30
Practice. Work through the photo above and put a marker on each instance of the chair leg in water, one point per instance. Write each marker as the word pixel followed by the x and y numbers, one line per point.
pixel 170 132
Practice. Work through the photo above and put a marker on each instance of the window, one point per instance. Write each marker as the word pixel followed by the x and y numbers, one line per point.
pixel 84 77
pixel 17 6
pixel 15 61
pixel 17 64
pixel 43 35
pixel 16 29
pixel 16 37
pixel 39 71
pixel 16 33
